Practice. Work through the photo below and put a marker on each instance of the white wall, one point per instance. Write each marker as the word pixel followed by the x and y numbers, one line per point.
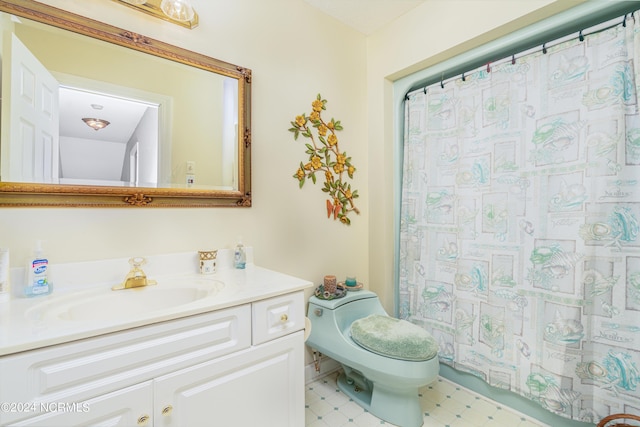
pixel 433 32
pixel 294 52
pixel 91 159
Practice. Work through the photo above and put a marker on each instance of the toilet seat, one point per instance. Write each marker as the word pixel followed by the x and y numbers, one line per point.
pixel 394 338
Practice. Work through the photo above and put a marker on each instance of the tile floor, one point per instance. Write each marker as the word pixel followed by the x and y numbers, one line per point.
pixel 445 404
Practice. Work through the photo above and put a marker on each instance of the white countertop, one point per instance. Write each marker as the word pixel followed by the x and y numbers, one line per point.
pixel 21 330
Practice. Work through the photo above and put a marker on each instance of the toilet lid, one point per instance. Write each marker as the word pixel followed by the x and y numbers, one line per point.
pixel 394 338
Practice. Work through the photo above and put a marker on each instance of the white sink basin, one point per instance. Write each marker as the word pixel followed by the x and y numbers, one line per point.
pixel 106 304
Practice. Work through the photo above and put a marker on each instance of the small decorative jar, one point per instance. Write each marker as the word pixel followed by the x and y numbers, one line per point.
pixel 330 284
pixel 207 261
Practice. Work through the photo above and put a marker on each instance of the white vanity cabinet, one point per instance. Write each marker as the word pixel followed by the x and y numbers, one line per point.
pixel 236 367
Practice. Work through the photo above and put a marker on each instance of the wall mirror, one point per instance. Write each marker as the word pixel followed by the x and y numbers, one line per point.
pixel 95 115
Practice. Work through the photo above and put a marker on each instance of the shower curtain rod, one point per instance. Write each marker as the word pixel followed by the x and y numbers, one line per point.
pixel 587 15
pixel 604 26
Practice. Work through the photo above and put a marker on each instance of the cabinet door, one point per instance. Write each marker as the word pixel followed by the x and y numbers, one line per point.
pixel 131 406
pixel 261 386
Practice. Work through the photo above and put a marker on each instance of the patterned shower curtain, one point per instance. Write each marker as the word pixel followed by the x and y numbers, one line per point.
pixel 520 221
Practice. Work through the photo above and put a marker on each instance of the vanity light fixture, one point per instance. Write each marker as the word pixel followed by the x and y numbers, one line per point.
pixel 179 12
pixel 96 124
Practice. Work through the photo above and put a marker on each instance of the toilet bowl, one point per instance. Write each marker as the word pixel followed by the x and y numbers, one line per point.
pixel 385 360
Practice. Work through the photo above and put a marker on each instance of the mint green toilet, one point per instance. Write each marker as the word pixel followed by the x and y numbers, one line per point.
pixel 385 360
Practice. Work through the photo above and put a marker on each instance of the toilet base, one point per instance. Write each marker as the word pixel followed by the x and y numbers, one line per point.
pixel 400 407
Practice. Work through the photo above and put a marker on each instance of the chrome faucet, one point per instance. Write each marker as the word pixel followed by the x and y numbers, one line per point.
pixel 136 278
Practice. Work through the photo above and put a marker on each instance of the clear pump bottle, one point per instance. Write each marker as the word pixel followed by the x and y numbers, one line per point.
pixel 37 273
pixel 239 256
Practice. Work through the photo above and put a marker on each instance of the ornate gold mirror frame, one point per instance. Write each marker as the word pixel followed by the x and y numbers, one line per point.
pixel 41 195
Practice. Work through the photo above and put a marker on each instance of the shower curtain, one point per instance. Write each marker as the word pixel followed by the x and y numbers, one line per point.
pixel 519 231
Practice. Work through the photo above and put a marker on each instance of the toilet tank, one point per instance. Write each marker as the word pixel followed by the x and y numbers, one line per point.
pixel 354 305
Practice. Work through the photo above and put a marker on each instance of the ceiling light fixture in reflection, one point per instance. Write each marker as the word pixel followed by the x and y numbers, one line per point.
pixel 96 124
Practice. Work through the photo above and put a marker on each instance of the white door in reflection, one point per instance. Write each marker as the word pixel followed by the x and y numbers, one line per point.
pixel 133 165
pixel 31 94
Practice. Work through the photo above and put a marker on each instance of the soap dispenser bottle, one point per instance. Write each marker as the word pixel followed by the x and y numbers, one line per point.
pixel 239 256
pixel 37 273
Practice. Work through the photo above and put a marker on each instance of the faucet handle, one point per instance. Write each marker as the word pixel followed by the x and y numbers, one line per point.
pixel 137 262
pixel 136 278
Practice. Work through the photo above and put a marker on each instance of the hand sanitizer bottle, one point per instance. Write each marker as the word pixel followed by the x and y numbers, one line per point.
pixel 37 274
pixel 239 256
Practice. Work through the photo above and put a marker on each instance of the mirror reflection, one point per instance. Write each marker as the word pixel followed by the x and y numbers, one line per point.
pixel 157 123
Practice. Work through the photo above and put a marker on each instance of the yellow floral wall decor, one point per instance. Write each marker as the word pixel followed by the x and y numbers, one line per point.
pixel 325 158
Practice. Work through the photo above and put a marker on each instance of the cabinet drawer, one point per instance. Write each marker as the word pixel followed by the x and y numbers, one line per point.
pixel 91 367
pixel 278 316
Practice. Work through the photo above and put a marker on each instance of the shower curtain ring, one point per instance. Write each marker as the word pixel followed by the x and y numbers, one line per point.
pixel 513 59
pixel 463 77
pixel 544 48
pixel 624 20
pixel 580 36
